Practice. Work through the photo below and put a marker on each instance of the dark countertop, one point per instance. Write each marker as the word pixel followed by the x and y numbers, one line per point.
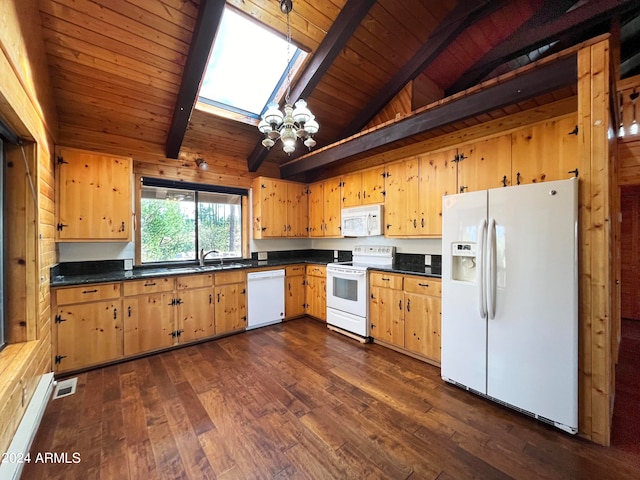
pixel 139 273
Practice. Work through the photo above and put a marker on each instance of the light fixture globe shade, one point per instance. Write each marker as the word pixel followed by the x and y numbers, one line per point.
pixel 268 143
pixel 273 116
pixel 264 126
pixel 301 114
pixel 288 137
pixel 288 149
pixel 312 126
pixel 310 143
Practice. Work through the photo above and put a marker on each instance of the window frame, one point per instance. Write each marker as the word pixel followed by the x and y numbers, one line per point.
pixel 195 186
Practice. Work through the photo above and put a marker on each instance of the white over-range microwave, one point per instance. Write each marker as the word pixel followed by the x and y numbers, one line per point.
pixel 365 221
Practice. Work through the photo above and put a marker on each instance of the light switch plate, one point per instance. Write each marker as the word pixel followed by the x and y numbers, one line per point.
pixel 262 255
pixel 128 263
pixel 427 260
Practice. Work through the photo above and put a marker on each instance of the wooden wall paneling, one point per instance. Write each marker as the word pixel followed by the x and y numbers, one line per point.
pixel 596 367
pixel 630 248
pixel 629 163
pixel 27 105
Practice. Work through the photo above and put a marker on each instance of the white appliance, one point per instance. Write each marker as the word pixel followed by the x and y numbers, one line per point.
pixel 265 291
pixel 510 297
pixel 348 289
pixel 365 221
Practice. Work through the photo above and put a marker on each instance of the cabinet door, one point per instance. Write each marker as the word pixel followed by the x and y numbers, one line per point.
pixel 149 322
pixel 195 314
pixel 297 210
pixel 294 296
pixel 317 297
pixel 485 164
pixel 273 208
pixel 352 190
pixel 545 152
pixel 387 315
pixel 316 209
pixel 332 207
pixel 400 207
pixel 94 196
pixel 438 177
pixel 88 334
pixel 230 304
pixel 373 186
pixel 422 325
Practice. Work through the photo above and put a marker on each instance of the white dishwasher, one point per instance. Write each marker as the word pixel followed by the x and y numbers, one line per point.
pixel 266 298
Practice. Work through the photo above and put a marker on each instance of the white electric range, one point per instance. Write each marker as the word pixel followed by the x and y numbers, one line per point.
pixel 348 289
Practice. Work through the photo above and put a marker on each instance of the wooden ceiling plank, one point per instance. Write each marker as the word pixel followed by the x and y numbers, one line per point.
pixel 532 83
pixel 338 35
pixel 460 18
pixel 209 18
pixel 528 38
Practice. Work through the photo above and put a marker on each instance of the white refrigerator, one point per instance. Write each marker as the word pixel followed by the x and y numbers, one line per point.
pixel 510 297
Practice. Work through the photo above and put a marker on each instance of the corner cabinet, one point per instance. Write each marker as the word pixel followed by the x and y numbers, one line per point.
pixel 280 208
pixel 93 196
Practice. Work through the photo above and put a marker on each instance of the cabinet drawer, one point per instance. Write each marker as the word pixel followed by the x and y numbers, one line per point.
pixel 195 281
pixel 150 285
pixel 317 270
pixel 87 293
pixel 378 279
pixel 424 285
pixel 294 270
pixel 225 278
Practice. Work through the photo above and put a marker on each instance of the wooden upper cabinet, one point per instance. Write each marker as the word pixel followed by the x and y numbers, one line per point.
pixel 545 151
pixel 363 188
pixel 94 199
pixel 269 208
pixel 484 164
pixel 401 199
pixel 279 208
pixel 438 177
pixel 325 205
pixel 297 210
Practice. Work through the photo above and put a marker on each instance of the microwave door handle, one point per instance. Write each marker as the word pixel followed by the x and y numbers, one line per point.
pixel 369 223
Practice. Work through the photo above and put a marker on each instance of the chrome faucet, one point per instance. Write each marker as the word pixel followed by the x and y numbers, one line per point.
pixel 203 255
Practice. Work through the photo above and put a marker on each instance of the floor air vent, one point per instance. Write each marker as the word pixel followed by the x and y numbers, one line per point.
pixel 64 388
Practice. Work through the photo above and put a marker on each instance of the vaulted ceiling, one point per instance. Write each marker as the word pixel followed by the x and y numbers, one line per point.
pixel 125 73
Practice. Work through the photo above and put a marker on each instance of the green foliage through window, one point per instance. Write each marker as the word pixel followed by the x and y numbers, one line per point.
pixel 177 223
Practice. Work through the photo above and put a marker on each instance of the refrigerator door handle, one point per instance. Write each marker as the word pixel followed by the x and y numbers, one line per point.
pixel 491 269
pixel 482 236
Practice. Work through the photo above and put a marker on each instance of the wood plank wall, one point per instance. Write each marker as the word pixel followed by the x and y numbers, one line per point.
pixel 26 105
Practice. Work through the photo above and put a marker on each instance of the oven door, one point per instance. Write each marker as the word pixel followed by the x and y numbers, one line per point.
pixel 347 290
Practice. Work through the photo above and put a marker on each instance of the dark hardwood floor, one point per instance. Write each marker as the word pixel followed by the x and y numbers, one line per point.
pixel 297 401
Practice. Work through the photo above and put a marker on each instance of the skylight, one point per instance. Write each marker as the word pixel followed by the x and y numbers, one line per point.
pixel 247 65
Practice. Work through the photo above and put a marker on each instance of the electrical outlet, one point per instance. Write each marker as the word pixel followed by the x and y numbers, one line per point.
pixel 335 254
pixel 262 255
pixel 427 260
pixel 128 263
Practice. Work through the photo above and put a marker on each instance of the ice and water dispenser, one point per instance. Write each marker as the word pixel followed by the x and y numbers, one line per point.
pixel 463 261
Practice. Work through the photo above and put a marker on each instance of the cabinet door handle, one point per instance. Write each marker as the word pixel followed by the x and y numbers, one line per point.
pixel 504 181
pixel 129 311
pixel 122 227
pixel 90 291
pixel 422 222
pixel 423 284
pixel 384 279
pixel 400 304
pixel 409 305
pixel 518 178
pixel 210 299
pixel 218 298
pixel 415 223
pixel 152 284
pixel 115 313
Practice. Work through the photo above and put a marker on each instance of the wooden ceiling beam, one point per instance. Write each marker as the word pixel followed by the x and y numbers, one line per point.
pixel 204 34
pixel 465 14
pixel 530 37
pixel 527 85
pixel 341 30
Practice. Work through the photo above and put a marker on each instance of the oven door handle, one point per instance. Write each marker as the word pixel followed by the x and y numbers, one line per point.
pixel 342 271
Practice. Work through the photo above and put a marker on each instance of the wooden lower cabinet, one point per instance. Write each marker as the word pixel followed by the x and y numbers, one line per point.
pixel 405 313
pixel 230 302
pixel 87 333
pixel 195 311
pixel 294 300
pixel 316 291
pixel 149 322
